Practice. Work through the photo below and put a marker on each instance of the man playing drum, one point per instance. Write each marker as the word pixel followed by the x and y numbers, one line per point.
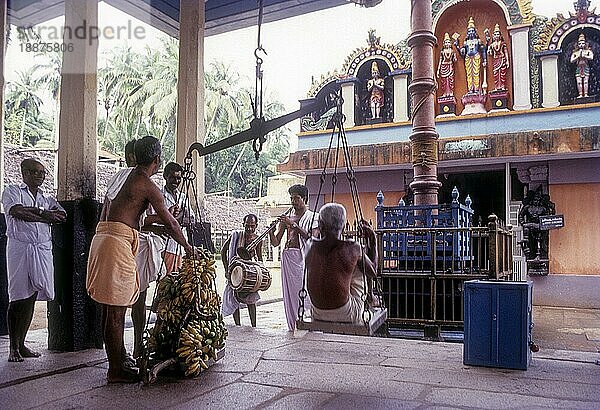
pixel 300 225
pixel 231 298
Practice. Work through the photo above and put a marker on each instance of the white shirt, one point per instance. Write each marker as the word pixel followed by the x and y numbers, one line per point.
pixel 185 208
pixel 29 260
pixel 23 231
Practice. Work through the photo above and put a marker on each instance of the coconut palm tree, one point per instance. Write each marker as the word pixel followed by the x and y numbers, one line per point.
pixel 49 74
pixel 120 77
pixel 22 98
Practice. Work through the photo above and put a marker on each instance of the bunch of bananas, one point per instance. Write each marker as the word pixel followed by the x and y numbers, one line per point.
pixel 169 287
pixel 210 301
pixel 169 310
pixel 189 297
pixel 200 341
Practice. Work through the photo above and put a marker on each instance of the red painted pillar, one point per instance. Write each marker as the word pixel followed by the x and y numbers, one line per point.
pixel 422 91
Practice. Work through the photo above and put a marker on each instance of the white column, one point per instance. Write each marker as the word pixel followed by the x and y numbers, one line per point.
pixel 520 65
pixel 400 97
pixel 190 87
pixel 348 106
pixel 550 80
pixel 2 48
pixel 77 150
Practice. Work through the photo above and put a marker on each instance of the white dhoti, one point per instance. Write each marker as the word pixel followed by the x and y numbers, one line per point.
pixel 229 304
pixel 350 312
pixel 30 269
pixel 148 260
pixel 292 273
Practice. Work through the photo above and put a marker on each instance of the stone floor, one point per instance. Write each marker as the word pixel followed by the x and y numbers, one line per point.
pixel 270 368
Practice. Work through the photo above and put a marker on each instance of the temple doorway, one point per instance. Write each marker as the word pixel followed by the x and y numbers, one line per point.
pixel 486 189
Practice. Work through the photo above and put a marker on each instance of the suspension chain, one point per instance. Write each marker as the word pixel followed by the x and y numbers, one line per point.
pixel 257 105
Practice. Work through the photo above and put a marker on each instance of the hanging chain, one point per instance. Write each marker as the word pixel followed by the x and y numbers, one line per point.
pixel 258 84
pixel 257 104
pixel 338 125
pixel 303 293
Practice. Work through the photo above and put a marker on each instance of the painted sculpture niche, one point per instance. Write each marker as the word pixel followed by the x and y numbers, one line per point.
pixel 473 52
pixel 446 75
pixel 498 52
pixel 375 87
pixel 582 56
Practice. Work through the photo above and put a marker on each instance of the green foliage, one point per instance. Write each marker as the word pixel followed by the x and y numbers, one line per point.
pixel 25 124
pixel 137 96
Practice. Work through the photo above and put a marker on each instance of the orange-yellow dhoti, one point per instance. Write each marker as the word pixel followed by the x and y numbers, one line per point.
pixel 111 271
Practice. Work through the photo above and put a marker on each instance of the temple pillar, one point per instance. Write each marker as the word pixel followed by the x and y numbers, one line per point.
pixel 190 88
pixel 74 319
pixel 424 138
pixel 519 35
pixel 400 95
pixel 77 151
pixel 348 88
pixel 550 80
pixel 3 273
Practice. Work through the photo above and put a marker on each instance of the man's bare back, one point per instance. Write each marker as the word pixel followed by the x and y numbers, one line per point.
pixel 132 200
pixel 332 263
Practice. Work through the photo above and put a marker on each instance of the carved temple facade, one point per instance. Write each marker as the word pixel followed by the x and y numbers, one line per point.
pixel 532 133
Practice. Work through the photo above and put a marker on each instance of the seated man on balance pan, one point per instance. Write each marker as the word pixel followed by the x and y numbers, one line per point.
pixel 335 266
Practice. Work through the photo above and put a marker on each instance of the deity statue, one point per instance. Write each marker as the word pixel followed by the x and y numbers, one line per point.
pixel 375 87
pixel 498 50
pixel 474 54
pixel 535 241
pixel 445 70
pixel 582 56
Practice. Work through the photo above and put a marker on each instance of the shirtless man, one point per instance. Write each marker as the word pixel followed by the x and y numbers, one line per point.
pixel 334 287
pixel 112 279
pixel 299 229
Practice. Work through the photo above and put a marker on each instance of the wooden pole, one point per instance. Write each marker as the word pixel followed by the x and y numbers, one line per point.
pixel 424 138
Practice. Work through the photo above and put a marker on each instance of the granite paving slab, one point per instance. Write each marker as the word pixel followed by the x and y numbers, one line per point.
pixel 165 393
pixel 334 378
pixel 352 401
pixel 237 396
pixel 301 400
pixel 492 400
pixel 44 390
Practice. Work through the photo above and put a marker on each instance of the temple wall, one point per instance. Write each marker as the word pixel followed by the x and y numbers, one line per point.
pixel 369 184
pixel 558 118
pixel 575 189
pixel 574 277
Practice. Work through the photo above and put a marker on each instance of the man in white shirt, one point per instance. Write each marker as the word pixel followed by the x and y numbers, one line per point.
pixel 179 205
pixel 29 214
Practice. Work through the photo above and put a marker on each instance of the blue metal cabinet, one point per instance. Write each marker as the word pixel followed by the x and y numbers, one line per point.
pixel 497 324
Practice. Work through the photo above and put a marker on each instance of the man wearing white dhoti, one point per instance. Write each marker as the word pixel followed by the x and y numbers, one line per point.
pixel 232 299
pixel 29 214
pixel 300 226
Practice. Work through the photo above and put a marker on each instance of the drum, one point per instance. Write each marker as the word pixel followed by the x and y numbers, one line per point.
pixel 248 276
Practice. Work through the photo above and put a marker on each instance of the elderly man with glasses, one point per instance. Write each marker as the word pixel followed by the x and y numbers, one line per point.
pixel 29 214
